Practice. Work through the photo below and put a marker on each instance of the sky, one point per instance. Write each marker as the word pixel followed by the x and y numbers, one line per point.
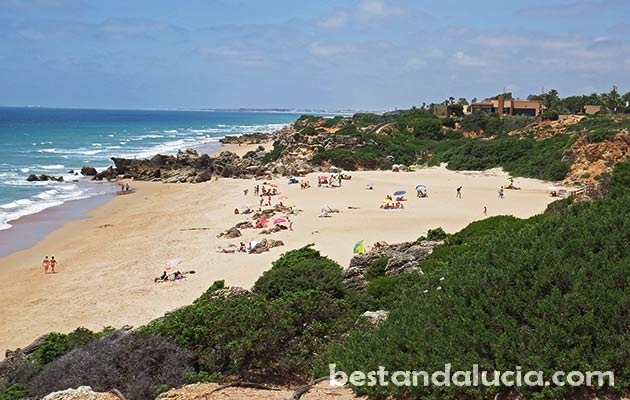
pixel 323 54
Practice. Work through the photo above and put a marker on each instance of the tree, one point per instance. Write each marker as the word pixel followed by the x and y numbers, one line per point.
pixel 612 100
pixel 462 101
pixel 574 104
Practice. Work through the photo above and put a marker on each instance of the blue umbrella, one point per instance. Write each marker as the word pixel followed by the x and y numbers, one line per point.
pixel 421 187
pixel 399 192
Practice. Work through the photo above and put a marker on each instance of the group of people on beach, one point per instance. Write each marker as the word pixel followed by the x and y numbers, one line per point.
pixel 49 264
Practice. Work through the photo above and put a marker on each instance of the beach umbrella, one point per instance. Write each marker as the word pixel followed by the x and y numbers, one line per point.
pixel 420 187
pixel 387 201
pixel 173 262
pixel 283 197
pixel 273 185
pixel 553 188
pixel 262 221
pixel 279 220
pixel 359 247
pixel 399 192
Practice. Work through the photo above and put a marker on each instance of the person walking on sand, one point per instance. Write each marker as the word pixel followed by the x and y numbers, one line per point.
pixel 290 223
pixel 485 210
pixel 46 264
pixel 53 264
pixel 459 192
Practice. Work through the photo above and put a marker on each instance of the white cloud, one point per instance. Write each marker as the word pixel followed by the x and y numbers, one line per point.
pixel 337 20
pixel 329 50
pixel 462 59
pixel 377 9
pixel 236 56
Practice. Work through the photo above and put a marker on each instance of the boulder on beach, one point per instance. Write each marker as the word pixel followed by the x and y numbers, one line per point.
pixel 88 171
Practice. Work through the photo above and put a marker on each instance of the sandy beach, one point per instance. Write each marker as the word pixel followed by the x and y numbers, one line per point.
pixel 108 262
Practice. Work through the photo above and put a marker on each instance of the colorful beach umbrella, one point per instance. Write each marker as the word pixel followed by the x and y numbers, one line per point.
pixel 399 192
pixel 173 262
pixel 420 187
pixel 359 247
pixel 279 220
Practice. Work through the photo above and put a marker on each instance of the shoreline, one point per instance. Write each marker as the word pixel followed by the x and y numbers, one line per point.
pixel 29 229
pixel 108 260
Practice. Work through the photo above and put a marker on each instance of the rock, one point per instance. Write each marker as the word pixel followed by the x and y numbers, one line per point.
pixel 44 177
pixel 88 171
pixel 109 174
pixel 401 258
pixel 15 368
pixel 230 233
pixel 80 393
pixel 244 225
pixel 231 292
pixel 375 317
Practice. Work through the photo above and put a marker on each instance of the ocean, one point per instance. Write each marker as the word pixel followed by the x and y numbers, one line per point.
pixel 59 142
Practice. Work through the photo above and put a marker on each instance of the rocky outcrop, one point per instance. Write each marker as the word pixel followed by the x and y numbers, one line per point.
pixel 190 167
pixel 249 138
pixel 107 174
pixel 231 292
pixel 265 245
pixel 230 233
pixel 88 171
pixel 590 160
pixel 80 393
pixel 44 177
pixel 375 317
pixel 401 258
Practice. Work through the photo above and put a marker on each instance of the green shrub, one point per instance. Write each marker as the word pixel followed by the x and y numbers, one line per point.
pixel 376 269
pixel 550 115
pixel 298 271
pixel 434 234
pixel 548 294
pixel 202 376
pixel 58 344
pixel 342 158
pixel 253 334
pixel 274 154
pixel 14 392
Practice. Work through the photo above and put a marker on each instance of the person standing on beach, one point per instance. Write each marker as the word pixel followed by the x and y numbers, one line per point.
pixel 485 210
pixel 459 192
pixel 46 264
pixel 53 264
pixel 290 223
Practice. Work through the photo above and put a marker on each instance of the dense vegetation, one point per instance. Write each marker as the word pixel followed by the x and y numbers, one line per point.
pixel 417 136
pixel 297 309
pixel 548 293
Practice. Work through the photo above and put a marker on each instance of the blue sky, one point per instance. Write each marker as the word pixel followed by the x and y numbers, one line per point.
pixel 360 54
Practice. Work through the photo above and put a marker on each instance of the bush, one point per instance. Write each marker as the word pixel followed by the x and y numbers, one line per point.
pixel 137 364
pixel 251 335
pixel 58 344
pixel 550 115
pixel 14 392
pixel 301 270
pixel 274 154
pixel 548 294
pixel 376 269
pixel 340 157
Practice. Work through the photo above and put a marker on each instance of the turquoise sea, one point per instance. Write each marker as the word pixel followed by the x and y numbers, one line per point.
pixel 58 141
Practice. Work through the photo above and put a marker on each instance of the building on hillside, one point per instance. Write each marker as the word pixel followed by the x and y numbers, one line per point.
pixel 591 109
pixel 508 107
